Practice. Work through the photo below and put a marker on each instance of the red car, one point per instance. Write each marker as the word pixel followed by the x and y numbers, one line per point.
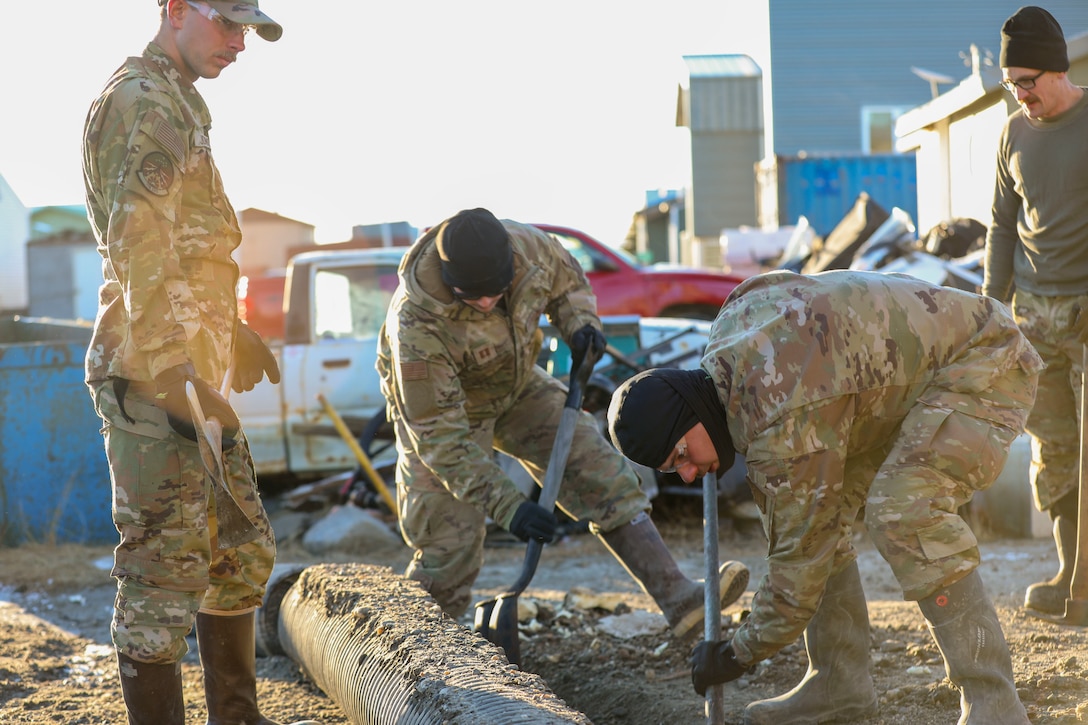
pixel 622 285
pixel 625 287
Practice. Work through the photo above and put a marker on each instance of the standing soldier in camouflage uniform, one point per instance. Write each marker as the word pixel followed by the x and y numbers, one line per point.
pixel 1039 240
pixel 167 316
pixel 848 391
pixel 457 360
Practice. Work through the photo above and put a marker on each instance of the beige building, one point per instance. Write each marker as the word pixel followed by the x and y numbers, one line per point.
pixel 267 241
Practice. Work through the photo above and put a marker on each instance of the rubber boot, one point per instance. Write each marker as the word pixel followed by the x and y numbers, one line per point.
pixel 152 692
pixel 1049 597
pixel 638 546
pixel 838 686
pixel 976 658
pixel 228 653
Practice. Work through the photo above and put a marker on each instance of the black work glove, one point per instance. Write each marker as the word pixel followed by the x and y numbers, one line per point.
pixel 171 383
pixel 1078 324
pixel 532 521
pixel 586 338
pixel 252 360
pixel 713 663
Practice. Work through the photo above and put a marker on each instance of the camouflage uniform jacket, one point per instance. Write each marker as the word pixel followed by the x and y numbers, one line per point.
pixel 443 363
pixel 785 344
pixel 164 226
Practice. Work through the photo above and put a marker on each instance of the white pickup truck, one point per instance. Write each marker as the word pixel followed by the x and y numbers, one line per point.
pixel 334 306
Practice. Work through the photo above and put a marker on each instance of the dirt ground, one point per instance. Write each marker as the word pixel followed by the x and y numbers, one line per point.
pixel 56 664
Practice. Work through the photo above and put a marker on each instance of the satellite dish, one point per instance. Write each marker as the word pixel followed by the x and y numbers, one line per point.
pixel 932 77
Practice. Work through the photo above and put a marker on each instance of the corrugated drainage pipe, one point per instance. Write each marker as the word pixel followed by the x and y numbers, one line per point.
pixel 380 647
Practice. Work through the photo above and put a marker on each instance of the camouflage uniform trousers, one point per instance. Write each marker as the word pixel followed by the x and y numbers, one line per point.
pixel 448 535
pixel 911 474
pixel 943 454
pixel 1055 436
pixel 167 564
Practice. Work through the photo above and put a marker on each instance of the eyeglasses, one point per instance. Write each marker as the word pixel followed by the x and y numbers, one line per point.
pixel 1024 84
pixel 225 24
pixel 679 453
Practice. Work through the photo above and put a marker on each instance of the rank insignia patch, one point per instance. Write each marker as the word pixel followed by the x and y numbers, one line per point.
pixel 484 354
pixel 156 173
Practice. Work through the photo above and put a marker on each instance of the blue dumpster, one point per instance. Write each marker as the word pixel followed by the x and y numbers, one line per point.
pixel 54 479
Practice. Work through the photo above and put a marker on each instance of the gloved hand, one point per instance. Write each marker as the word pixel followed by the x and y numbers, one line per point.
pixel 1078 324
pixel 713 663
pixel 171 383
pixel 532 521
pixel 252 360
pixel 583 339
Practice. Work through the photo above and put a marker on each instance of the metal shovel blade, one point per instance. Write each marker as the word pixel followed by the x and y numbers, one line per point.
pixel 233 527
pixel 497 620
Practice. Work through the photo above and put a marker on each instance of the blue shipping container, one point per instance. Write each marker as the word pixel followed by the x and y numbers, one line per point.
pixel 54 478
pixel 824 188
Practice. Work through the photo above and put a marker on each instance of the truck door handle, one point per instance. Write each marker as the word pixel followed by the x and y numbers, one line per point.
pixel 340 363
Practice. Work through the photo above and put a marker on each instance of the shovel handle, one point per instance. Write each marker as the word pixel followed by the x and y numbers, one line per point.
pixel 712 622
pixel 581 368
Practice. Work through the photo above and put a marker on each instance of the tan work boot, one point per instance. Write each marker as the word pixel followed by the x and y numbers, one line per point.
pixel 976 658
pixel 1049 597
pixel 639 547
pixel 838 686
pixel 152 692
pixel 228 653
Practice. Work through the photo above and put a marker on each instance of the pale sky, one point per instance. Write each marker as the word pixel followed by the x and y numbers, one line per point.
pixel 367 112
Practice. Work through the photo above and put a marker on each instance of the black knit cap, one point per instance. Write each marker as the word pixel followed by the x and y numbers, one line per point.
pixel 1032 38
pixel 475 252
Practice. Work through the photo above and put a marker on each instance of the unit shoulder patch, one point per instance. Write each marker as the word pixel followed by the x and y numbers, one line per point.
pixel 156 173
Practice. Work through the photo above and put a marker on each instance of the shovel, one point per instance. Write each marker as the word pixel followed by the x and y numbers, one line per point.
pixel 712 600
pixel 497 619
pixel 233 527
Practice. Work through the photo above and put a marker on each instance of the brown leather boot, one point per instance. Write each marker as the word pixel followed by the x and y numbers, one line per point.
pixel 976 658
pixel 152 692
pixel 228 653
pixel 639 547
pixel 838 686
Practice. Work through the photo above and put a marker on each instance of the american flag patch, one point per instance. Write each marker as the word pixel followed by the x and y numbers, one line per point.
pixel 165 135
pixel 416 370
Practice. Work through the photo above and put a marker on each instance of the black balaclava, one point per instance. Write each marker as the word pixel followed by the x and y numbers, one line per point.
pixel 651 411
pixel 475 253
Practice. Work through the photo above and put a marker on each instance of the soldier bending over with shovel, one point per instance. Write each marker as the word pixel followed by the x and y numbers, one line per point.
pixel 848 391
pixel 457 359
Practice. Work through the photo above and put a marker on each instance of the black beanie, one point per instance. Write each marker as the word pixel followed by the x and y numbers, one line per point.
pixel 1032 38
pixel 475 252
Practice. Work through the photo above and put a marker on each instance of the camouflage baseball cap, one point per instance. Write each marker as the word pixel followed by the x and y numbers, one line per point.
pixel 246 12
